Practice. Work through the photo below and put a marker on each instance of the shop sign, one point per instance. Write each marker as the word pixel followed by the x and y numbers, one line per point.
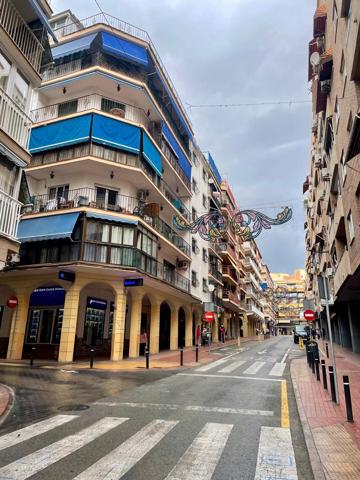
pixel 96 303
pixel 133 282
pixel 47 296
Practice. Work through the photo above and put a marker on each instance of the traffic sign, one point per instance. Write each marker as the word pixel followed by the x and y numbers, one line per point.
pixel 309 315
pixel 208 316
pixel 12 302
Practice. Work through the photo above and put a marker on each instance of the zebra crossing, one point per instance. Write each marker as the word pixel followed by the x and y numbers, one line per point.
pixel 210 443
pixel 228 365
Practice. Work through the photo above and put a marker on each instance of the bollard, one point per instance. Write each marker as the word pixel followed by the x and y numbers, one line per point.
pixel 181 356
pixel 91 357
pixel 197 353
pixel 317 369
pixel 32 356
pixel 308 355
pixel 323 367
pixel 332 383
pixel 147 357
pixel 349 412
pixel 312 357
pixel 327 350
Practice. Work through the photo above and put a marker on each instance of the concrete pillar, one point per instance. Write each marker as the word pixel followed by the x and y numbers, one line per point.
pixel 215 330
pixel 188 327
pixel 174 333
pixel 18 324
pixel 155 327
pixel 117 341
pixel 135 324
pixel 68 329
pixel 354 329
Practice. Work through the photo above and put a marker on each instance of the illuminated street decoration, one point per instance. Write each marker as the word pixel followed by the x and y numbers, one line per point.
pixel 247 224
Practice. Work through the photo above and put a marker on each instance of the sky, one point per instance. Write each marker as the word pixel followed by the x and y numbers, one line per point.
pixel 239 51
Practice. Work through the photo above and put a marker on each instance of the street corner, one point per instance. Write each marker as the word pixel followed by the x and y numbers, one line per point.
pixel 6 401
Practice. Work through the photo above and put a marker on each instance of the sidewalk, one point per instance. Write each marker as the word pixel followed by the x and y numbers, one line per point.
pixel 333 443
pixel 5 401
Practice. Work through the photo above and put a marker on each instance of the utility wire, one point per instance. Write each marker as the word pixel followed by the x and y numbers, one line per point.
pixel 247 104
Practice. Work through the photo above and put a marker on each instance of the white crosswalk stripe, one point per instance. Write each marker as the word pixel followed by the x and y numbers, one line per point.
pixel 200 459
pixel 254 368
pixel 35 462
pixel 277 370
pixel 120 460
pixel 233 366
pixel 23 434
pixel 212 365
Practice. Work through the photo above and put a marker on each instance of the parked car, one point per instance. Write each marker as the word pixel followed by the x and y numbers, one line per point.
pixel 301 331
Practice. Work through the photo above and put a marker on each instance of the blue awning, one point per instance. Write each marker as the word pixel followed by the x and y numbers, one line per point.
pixel 184 163
pixel 116 133
pixel 152 154
pixel 124 48
pixel 60 134
pixel 111 218
pixel 72 47
pixel 43 18
pixel 50 227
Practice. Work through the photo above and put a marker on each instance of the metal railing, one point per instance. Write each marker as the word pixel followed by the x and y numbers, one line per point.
pixel 9 215
pixel 214 272
pixel 127 28
pixel 231 296
pixel 13 120
pixel 230 271
pixel 20 33
pixel 226 247
pixel 99 151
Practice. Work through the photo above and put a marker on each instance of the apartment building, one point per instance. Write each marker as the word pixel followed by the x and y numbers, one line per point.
pixel 333 185
pixel 270 307
pixel 24 50
pixel 289 292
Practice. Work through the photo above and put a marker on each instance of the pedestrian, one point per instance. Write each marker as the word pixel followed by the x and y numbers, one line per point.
pixel 204 336
pixel 198 334
pixel 143 342
pixel 222 333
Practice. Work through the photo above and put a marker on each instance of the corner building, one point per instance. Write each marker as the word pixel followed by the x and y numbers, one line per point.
pixel 110 168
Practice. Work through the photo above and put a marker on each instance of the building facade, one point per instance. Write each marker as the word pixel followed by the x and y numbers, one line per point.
pixel 332 187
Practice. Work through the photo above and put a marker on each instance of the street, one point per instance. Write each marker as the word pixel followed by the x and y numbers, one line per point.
pixel 223 420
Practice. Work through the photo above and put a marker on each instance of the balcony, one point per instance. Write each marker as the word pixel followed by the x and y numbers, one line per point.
pixel 232 297
pixel 9 215
pixel 87 197
pixel 251 279
pixel 230 274
pixel 23 37
pixel 252 310
pixel 250 264
pixel 214 272
pixel 13 121
pixel 118 157
pixel 225 248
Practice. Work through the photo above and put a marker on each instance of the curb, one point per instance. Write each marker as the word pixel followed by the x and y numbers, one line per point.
pixel 316 465
pixel 10 402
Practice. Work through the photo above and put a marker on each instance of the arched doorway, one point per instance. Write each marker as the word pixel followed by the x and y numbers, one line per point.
pixel 165 324
pixel 6 314
pixel 181 327
pixel 145 324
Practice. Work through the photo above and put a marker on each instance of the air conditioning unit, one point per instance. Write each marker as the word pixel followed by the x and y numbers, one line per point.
pixel 12 258
pixel 142 194
pixel 182 265
pixel 310 204
pixel 325 175
pixel 325 86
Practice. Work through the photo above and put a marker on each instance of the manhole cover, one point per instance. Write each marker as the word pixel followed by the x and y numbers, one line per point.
pixel 73 408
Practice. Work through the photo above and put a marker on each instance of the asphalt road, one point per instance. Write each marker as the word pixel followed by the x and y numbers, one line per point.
pixel 223 421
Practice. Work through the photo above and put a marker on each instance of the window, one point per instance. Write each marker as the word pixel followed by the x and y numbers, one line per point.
pixel 5 67
pixel 60 192
pixel 193 214
pixel 205 255
pixel 67 108
pixel 350 122
pixel 350 227
pixel 204 175
pixel 20 90
pixel 8 175
pixel 342 62
pixel 204 201
pixel 194 247
pixel 334 256
pixel 194 186
pixel 205 285
pixel 111 106
pixel 194 280
pixel 98 232
pixel 335 19
pixel 337 113
pixel 44 325
pixel 147 242
pixel 343 166
pixel 106 198
pixel 122 235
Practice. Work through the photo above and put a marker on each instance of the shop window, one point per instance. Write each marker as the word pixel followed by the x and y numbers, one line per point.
pixel 94 321
pixel 44 325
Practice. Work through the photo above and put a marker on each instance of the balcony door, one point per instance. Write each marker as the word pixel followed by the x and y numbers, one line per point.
pixel 106 198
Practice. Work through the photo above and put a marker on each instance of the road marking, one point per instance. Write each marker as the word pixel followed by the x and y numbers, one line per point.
pixel 233 366
pixel 35 462
pixel 262 352
pixel 33 430
pixel 254 368
pixel 278 370
pixel 200 459
pixel 285 420
pixel 120 460
pixel 190 408
pixel 229 377
pixel 283 360
pixel 276 459
pixel 212 365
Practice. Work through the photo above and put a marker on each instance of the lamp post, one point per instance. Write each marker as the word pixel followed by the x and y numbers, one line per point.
pixel 211 288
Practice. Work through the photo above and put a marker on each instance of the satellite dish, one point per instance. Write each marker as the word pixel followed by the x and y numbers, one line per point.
pixel 315 59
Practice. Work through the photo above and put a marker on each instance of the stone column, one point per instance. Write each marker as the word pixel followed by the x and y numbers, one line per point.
pixel 135 324
pixel 18 324
pixel 155 327
pixel 117 342
pixel 174 333
pixel 188 327
pixel 68 329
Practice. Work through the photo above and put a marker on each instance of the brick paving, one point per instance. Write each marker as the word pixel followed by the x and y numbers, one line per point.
pixel 337 441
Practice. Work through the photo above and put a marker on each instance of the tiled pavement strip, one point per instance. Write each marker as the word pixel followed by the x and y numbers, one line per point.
pixel 333 443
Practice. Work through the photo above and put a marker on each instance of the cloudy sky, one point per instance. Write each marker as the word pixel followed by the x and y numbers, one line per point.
pixel 239 51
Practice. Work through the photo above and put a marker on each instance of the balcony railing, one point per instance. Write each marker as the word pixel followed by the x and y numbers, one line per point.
pixel 231 296
pixel 17 29
pixel 214 272
pixel 94 150
pixel 13 121
pixel 229 271
pixel 225 247
pixel 251 309
pixel 87 197
pixel 9 215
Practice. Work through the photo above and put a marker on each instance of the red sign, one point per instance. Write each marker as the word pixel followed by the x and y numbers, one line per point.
pixel 208 316
pixel 12 302
pixel 309 315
